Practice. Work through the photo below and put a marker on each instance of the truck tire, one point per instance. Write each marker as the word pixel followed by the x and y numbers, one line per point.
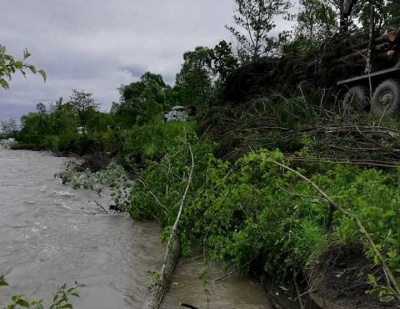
pixel 386 98
pixel 355 100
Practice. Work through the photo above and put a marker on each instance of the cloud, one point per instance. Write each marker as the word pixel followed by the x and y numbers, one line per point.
pixel 98 45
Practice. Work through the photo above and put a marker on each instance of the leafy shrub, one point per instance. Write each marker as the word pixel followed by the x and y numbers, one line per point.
pixel 61 298
pixel 255 213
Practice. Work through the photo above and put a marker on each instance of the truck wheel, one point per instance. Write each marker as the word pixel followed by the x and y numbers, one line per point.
pixel 355 100
pixel 386 98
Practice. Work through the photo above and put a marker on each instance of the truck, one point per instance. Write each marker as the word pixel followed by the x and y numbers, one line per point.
pixel 377 86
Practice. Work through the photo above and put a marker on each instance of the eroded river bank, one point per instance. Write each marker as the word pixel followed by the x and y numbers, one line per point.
pixel 51 234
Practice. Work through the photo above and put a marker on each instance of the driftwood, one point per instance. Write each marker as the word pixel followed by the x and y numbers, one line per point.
pixel 172 254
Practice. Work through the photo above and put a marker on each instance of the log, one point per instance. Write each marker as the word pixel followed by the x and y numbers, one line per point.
pixel 389 38
pixel 356 54
pixel 382 47
pixel 384 56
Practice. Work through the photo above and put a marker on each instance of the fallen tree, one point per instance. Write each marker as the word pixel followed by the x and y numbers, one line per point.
pixel 160 287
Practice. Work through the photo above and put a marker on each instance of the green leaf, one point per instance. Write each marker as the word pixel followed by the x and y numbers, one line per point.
pixel 43 73
pixel 390 213
pixel 32 68
pixel 26 54
pixel 66 306
pixel 4 84
pixel 372 279
pixel 23 303
pixel 19 65
pixel 3 283
pixel 391 240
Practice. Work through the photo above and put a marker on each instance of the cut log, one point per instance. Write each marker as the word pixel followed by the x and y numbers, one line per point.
pixel 390 38
pixel 384 56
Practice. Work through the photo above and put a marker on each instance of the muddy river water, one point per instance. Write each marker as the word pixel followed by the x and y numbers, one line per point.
pixel 51 234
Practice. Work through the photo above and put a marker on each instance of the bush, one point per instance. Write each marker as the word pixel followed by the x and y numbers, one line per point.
pixel 255 213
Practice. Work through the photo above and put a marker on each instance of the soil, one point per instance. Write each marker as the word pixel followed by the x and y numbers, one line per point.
pixel 341 278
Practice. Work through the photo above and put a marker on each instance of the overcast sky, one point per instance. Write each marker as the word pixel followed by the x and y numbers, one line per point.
pixel 97 45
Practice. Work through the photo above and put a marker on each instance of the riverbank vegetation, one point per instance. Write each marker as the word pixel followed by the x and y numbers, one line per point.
pixel 284 184
pixel 61 298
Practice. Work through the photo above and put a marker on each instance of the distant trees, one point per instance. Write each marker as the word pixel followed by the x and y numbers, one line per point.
pixel 55 126
pixel 9 128
pixel 82 104
pixel 141 101
pixel 9 66
pixel 202 71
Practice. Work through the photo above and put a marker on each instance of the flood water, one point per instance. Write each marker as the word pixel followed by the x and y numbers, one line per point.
pixel 51 234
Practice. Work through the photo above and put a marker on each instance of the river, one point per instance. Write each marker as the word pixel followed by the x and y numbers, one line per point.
pixel 51 234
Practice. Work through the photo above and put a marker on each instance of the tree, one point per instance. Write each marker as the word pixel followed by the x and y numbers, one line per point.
pixel 9 127
pixel 141 101
pixel 387 13
pixel 256 20
pixel 315 21
pixel 8 66
pixel 83 104
pixel 194 81
pixel 224 61
pixel 63 118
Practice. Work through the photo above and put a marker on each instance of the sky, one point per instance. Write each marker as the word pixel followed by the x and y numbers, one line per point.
pixel 97 45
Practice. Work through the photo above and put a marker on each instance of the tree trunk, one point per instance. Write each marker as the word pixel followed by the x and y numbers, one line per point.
pixel 160 287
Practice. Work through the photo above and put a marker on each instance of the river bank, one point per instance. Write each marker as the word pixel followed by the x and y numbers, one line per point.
pixel 55 234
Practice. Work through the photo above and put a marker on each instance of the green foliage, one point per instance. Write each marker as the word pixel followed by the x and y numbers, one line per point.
pixel 141 101
pixel 194 81
pixel 56 127
pixel 153 140
pixel 386 13
pixel 254 213
pixel 82 104
pixel 9 66
pixel 224 61
pixel 315 21
pixel 202 72
pixel 256 18
pixel 61 299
